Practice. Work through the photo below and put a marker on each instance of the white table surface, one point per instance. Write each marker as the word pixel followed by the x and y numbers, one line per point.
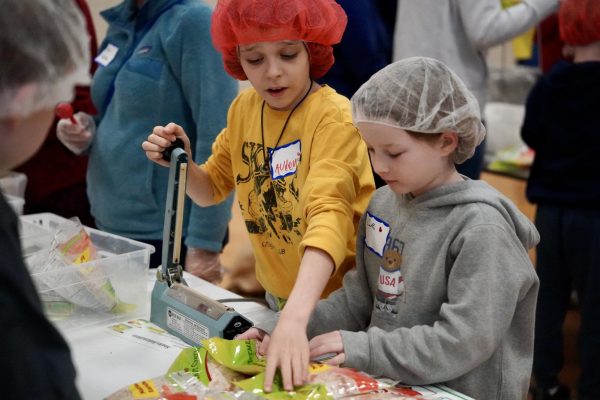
pixel 106 362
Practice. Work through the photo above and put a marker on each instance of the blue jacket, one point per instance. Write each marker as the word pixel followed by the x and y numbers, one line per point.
pixel 165 70
pixel 365 48
pixel 561 125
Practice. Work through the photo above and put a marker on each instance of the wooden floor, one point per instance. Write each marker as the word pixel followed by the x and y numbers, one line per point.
pixel 515 190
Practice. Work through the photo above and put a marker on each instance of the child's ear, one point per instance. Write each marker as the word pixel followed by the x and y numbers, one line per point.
pixel 448 142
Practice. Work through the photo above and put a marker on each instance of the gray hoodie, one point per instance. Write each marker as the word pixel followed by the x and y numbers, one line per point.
pixel 443 291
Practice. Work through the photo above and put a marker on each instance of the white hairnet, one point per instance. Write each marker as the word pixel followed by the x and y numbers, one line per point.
pixel 421 95
pixel 44 52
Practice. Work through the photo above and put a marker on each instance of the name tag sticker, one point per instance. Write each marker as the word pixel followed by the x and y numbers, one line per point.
pixel 107 55
pixel 285 159
pixel 377 232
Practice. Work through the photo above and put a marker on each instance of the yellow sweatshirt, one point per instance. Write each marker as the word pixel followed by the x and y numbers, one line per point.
pixel 313 191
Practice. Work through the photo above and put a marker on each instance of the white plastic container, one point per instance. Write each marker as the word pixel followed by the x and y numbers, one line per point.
pixel 33 237
pixel 121 266
pixel 14 183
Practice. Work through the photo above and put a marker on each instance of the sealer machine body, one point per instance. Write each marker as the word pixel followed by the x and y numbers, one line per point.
pixel 181 310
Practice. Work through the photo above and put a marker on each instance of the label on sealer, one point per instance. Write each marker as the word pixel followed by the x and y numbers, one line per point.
pixel 186 326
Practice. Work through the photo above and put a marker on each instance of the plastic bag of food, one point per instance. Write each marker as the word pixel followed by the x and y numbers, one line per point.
pixel 238 355
pixel 178 385
pixel 256 384
pixel 67 275
pixel 341 382
pixel 197 362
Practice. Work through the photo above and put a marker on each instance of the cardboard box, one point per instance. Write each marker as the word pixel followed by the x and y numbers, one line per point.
pixel 113 287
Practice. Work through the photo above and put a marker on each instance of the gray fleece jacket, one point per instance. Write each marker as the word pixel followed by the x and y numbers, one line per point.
pixel 443 292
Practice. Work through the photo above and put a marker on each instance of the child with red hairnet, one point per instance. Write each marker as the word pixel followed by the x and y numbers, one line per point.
pixel 561 125
pixel 299 166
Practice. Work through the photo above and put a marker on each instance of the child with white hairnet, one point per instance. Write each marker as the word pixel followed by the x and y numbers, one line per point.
pixel 44 53
pixel 443 289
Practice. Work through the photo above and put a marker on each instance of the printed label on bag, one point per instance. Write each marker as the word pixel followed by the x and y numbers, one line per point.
pixel 144 390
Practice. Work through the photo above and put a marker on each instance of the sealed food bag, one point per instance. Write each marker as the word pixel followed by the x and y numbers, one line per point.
pixel 67 274
pixel 342 382
pixel 238 355
pixel 198 362
pixel 175 386
pixel 323 380
pixel 386 394
pixel 179 385
pixel 256 384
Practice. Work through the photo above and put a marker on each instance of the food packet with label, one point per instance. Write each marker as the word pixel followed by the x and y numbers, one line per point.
pixel 323 380
pixel 238 355
pixel 175 386
pixel 256 384
pixel 233 368
pixel 220 362
pixel 198 362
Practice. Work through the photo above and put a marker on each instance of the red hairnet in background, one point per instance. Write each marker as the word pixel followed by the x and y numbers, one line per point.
pixel 579 21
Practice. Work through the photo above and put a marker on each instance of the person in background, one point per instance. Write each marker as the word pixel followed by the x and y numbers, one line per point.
pixel 299 167
pixel 458 33
pixel 365 48
pixel 443 289
pixel 56 176
pixel 156 65
pixel 46 44
pixel 550 44
pixel 387 11
pixel 561 125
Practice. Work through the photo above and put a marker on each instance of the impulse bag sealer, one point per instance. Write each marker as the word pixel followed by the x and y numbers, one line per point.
pixel 181 310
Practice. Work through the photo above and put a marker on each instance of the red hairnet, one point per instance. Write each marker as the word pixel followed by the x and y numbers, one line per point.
pixel 319 23
pixel 579 21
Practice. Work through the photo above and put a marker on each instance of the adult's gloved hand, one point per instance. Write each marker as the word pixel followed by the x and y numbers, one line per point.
pixel 204 264
pixel 76 137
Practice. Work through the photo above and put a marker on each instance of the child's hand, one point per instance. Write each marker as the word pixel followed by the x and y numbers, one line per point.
pixel 328 343
pixel 288 351
pixel 161 138
pixel 252 333
pixel 259 335
pixel 204 264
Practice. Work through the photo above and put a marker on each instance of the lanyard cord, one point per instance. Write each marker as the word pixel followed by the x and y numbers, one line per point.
pixel 262 130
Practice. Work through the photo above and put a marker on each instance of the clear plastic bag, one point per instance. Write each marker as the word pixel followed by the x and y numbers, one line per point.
pixel 175 386
pixel 66 274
